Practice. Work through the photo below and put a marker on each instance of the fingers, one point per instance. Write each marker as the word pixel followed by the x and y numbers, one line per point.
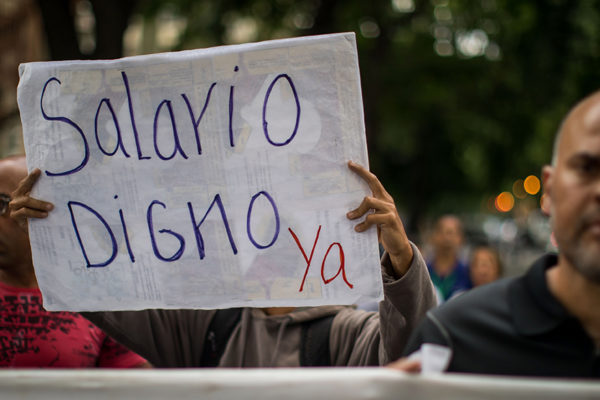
pixel 22 203
pixel 374 184
pixel 406 365
pixel 23 214
pixel 22 206
pixel 380 210
pixel 381 203
pixel 26 184
pixel 370 203
pixel 29 207
pixel 382 221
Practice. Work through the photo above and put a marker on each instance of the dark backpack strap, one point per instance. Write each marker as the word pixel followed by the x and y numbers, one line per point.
pixel 218 334
pixel 314 347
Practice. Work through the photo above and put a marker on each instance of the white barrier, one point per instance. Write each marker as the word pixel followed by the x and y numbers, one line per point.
pixel 289 384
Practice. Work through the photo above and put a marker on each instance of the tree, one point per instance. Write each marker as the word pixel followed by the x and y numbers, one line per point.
pixel 461 96
pixel 111 18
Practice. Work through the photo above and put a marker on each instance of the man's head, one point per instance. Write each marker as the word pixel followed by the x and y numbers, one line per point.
pixel 14 242
pixel 572 188
pixel 448 234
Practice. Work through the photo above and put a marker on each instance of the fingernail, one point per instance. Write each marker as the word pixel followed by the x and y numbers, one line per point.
pixel 49 207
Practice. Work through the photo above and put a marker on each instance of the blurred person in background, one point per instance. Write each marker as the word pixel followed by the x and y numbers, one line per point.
pixel 485 265
pixel 448 272
pixel 31 337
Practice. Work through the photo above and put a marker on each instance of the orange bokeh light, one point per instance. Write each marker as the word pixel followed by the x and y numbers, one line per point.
pixel 532 184
pixel 504 202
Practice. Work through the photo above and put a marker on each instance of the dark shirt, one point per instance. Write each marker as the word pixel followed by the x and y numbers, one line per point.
pixel 511 327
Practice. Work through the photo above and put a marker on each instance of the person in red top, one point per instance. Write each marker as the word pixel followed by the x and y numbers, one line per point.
pixel 29 335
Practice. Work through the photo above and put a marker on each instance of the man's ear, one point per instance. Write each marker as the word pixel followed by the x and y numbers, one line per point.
pixel 547 181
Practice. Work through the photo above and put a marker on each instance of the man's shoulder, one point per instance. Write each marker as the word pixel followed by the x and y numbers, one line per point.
pixel 488 301
pixel 472 324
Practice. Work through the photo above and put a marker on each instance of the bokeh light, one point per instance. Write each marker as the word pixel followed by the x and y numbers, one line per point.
pixel 518 189
pixel 443 48
pixel 403 6
pixel 504 202
pixel 369 28
pixel 473 43
pixel 532 184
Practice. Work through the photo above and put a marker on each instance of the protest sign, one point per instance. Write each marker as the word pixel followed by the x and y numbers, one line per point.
pixel 206 178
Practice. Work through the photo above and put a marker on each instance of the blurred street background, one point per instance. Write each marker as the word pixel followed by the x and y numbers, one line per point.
pixel 462 97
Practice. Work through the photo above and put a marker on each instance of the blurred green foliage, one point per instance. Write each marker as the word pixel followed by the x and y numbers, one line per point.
pixel 461 97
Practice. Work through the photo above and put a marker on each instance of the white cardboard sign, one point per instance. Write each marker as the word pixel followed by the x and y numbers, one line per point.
pixel 208 178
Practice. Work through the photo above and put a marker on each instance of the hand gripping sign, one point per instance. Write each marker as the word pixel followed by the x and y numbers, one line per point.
pixel 207 178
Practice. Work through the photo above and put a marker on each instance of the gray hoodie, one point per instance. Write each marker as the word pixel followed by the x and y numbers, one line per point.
pixel 175 338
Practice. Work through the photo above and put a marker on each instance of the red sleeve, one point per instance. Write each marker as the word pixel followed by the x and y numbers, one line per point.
pixel 115 355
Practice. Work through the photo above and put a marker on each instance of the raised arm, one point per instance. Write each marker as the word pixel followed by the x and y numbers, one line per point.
pixel 380 210
pixel 369 338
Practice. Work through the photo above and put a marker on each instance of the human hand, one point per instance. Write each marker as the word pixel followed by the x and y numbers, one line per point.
pixel 380 210
pixel 22 206
pixel 406 365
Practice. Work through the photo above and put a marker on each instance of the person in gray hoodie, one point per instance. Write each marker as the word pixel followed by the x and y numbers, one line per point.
pixel 280 337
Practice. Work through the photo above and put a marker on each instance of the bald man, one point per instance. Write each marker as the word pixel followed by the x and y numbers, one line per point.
pixel 29 335
pixel 547 322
